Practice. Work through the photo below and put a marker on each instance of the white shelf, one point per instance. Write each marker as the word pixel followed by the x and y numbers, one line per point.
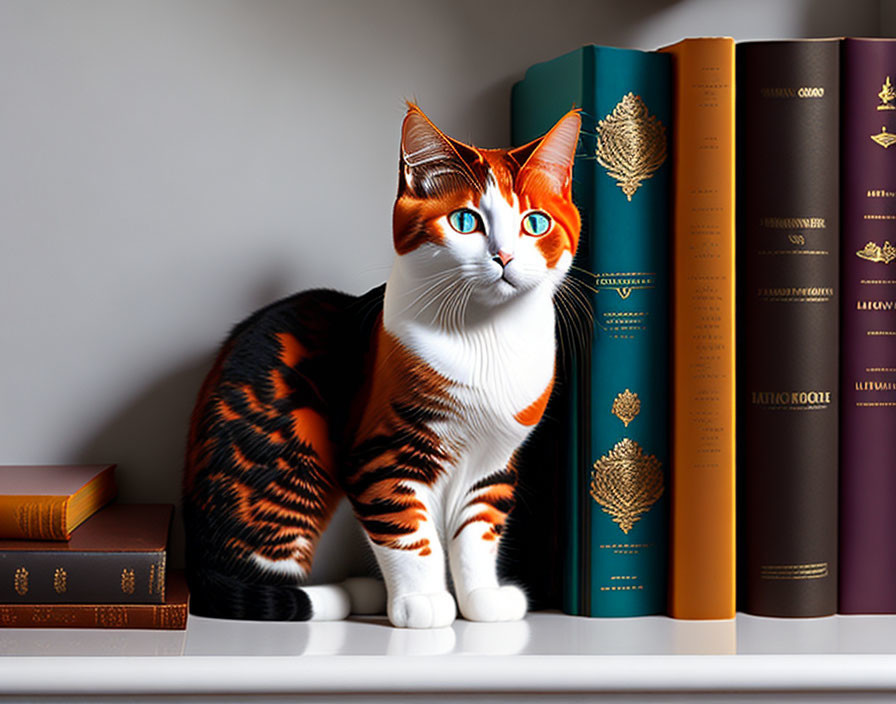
pixel 546 653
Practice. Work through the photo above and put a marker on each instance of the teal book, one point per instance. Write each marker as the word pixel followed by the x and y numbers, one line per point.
pixel 616 460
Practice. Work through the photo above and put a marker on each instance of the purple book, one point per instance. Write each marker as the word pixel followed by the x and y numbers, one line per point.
pixel 868 328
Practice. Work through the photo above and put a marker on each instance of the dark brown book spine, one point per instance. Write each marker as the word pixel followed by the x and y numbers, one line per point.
pixel 868 431
pixel 172 615
pixel 46 577
pixel 788 239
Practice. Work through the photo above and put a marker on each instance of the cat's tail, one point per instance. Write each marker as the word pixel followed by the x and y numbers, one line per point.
pixel 223 596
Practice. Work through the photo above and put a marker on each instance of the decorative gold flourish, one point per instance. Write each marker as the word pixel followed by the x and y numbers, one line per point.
pixel 886 95
pixel 111 616
pixel 21 581
pixel 626 483
pixel 626 406
pixel 60 581
pixel 875 253
pixel 884 138
pixel 127 581
pixel 631 144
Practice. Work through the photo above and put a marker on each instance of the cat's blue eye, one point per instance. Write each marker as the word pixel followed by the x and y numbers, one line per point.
pixel 536 224
pixel 464 221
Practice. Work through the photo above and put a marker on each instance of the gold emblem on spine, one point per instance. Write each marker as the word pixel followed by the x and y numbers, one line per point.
pixel 626 406
pixel 627 483
pixel 60 581
pixel 884 138
pixel 887 95
pixel 631 144
pixel 875 253
pixel 127 581
pixel 20 581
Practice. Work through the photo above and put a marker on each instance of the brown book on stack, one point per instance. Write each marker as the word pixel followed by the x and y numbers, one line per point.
pixel 49 502
pixel 169 615
pixel 116 557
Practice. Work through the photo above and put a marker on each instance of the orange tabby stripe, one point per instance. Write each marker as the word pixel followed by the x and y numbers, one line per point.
pixel 281 388
pixel 291 350
pixel 311 427
pixel 533 412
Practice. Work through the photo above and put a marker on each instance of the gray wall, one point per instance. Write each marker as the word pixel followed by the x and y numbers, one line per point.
pixel 167 167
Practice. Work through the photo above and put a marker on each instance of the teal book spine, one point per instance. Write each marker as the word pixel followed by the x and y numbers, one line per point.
pixel 617 455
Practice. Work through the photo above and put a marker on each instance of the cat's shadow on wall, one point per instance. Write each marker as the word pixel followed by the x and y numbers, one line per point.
pixel 146 437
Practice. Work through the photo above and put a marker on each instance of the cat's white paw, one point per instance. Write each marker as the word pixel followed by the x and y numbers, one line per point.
pixel 507 603
pixel 329 602
pixel 435 610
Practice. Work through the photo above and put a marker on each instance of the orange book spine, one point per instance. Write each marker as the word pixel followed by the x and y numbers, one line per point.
pixel 702 576
pixel 34 517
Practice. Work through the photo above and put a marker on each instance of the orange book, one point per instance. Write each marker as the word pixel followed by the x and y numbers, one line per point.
pixel 702 564
pixel 49 502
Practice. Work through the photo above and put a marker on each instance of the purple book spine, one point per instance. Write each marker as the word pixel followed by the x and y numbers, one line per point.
pixel 868 328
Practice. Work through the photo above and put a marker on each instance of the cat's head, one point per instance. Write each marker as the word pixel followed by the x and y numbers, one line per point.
pixel 497 222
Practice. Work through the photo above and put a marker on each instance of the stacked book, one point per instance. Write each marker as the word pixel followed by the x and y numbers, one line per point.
pixel 71 559
pixel 648 518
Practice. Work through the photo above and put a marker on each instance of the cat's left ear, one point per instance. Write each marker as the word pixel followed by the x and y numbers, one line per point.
pixel 432 163
pixel 548 161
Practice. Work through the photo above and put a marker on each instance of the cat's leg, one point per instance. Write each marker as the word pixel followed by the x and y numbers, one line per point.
pixel 403 536
pixel 413 567
pixel 473 552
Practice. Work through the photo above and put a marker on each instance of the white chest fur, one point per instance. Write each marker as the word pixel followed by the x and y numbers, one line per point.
pixel 498 363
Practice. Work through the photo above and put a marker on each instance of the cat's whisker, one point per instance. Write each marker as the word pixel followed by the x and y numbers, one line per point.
pixel 432 291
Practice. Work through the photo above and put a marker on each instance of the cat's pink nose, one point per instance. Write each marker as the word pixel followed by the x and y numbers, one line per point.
pixel 502 257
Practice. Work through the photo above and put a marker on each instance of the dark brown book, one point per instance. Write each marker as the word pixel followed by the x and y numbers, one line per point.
pixel 788 252
pixel 170 615
pixel 47 502
pixel 116 556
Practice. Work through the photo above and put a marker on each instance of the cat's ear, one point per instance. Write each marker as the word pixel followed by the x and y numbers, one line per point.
pixel 431 163
pixel 548 161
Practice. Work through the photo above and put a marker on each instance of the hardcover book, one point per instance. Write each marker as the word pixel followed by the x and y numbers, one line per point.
pixel 49 502
pixel 168 615
pixel 618 465
pixel 868 378
pixel 788 251
pixel 116 556
pixel 702 573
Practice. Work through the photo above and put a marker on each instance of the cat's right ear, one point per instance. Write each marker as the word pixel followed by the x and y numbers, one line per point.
pixel 431 164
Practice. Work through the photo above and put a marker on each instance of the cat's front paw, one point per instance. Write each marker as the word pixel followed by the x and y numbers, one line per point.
pixel 435 610
pixel 507 603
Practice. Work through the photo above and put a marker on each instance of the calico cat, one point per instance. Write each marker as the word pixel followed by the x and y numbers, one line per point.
pixel 411 399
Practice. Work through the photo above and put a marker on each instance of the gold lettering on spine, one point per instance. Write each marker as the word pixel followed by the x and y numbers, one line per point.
pixel 876 386
pixel 626 483
pixel 801 92
pixel 20 581
pixel 631 144
pixel 814 570
pixel 792 400
pixel 793 223
pixel 60 581
pixel 127 581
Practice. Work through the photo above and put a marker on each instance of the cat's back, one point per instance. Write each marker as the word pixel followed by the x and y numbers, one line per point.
pixel 278 396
